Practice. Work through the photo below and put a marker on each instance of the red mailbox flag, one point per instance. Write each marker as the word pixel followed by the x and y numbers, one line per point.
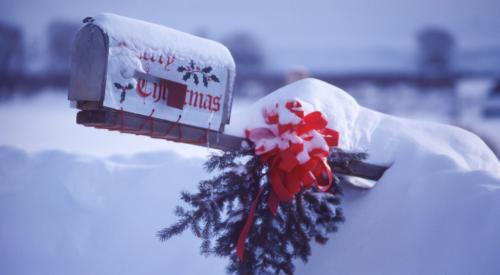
pixel 176 94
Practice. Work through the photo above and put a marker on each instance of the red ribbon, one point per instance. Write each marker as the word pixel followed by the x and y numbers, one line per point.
pixel 295 149
pixel 246 228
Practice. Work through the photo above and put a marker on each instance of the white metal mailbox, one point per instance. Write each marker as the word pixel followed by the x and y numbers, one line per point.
pixel 131 70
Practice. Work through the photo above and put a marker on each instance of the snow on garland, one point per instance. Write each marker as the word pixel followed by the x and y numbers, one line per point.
pixel 268 202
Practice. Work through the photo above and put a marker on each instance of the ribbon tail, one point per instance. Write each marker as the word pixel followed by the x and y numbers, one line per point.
pixel 323 182
pixel 276 178
pixel 240 246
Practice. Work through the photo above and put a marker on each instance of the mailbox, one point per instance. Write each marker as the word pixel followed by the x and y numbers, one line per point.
pixel 136 77
pixel 129 75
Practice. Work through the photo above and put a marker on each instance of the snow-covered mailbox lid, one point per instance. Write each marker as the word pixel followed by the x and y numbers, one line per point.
pixel 134 76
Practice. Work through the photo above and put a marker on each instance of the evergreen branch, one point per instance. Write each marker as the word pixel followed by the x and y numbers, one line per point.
pixel 218 211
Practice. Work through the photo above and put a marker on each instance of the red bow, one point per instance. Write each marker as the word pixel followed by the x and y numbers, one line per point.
pixel 295 147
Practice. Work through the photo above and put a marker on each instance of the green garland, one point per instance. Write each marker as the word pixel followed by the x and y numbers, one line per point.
pixel 218 211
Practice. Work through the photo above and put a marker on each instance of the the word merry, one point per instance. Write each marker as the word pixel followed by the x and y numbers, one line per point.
pixel 160 59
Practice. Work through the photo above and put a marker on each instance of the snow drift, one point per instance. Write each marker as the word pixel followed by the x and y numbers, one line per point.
pixel 435 210
pixel 67 214
pixel 389 140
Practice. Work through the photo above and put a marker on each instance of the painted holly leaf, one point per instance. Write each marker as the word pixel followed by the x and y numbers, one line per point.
pixel 186 76
pixel 118 85
pixel 192 69
pixel 207 70
pixel 205 80
pixel 129 86
pixel 122 97
pixel 214 78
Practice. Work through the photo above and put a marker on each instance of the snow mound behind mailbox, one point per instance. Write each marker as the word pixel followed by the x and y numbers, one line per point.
pixel 389 140
pixel 435 210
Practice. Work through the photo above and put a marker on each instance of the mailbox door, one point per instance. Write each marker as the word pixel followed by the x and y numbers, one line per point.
pixel 88 65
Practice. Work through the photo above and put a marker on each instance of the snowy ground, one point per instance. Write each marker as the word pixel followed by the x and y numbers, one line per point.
pixel 76 200
pixel 67 214
pixel 46 122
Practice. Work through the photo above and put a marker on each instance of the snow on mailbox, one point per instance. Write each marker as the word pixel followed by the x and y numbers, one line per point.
pixel 142 78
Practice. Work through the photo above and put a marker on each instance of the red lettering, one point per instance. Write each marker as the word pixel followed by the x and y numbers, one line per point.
pixel 159 90
pixel 170 60
pixel 216 104
pixel 191 98
pixel 202 101
pixel 156 92
pixel 141 84
pixel 208 100
pixel 150 57
pixel 198 100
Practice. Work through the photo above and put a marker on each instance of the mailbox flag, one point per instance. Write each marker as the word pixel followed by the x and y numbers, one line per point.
pixel 176 94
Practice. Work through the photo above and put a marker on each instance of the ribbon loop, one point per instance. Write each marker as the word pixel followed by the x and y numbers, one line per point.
pixel 295 151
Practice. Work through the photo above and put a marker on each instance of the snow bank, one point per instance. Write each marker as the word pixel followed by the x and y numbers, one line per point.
pixel 66 214
pixel 389 140
pixel 435 210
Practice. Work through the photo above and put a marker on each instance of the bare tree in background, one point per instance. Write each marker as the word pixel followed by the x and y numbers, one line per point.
pixel 61 35
pixel 246 50
pixel 435 54
pixel 11 50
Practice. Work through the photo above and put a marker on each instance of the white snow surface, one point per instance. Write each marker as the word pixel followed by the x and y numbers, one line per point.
pixel 387 139
pixel 435 210
pixel 144 35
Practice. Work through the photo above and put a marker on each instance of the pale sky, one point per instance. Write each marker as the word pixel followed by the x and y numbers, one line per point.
pixel 286 23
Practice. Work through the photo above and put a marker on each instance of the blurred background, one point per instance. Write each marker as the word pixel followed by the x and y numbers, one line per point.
pixel 76 200
pixel 431 60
